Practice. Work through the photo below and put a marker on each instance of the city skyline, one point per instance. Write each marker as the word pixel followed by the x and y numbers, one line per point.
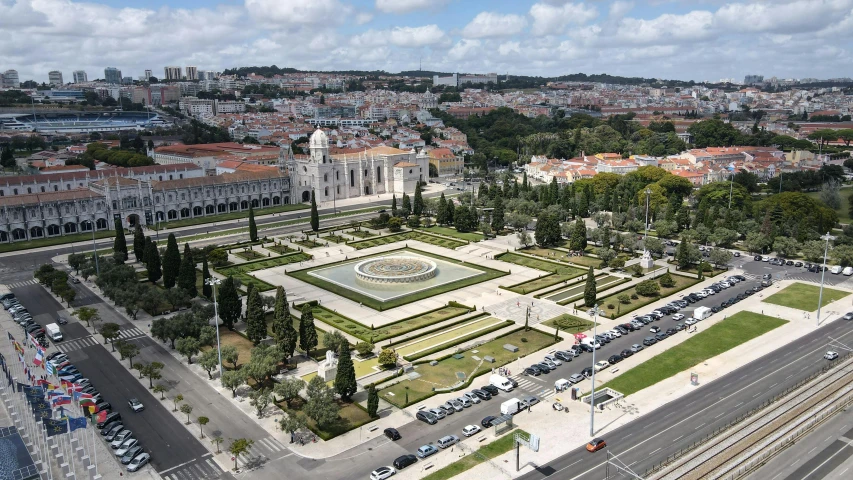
pixel 705 40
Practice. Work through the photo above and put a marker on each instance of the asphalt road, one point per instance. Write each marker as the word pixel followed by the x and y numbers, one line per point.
pixel 644 442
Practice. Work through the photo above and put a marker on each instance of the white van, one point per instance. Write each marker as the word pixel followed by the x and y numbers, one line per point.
pixel 591 342
pixel 835 270
pixel 847 271
pixel 510 407
pixel 501 382
pixel 447 441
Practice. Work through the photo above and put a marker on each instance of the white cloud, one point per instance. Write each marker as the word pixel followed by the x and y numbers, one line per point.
pixel 549 19
pixel 507 48
pixel 780 17
pixel 406 6
pixel 488 24
pixel 464 49
pixel 407 37
pixel 289 13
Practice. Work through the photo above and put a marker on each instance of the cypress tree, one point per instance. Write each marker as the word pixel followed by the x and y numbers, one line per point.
pixel 256 327
pixel 206 289
pixel 524 185
pixel 441 210
pixel 145 251
pixel 230 305
pixel 307 332
pixel 451 212
pixel 186 277
pixel 589 295
pixel 498 215
pixel 406 208
pixel 372 401
pixel 120 243
pixel 315 217
pixel 577 241
pixel 253 229
pixel 281 315
pixel 152 257
pixel 345 384
pixel 171 262
pixel 394 205
pixel 7 158
pixel 418 206
pixel 138 243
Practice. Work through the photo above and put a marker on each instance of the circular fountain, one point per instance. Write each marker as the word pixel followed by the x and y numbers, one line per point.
pixel 395 269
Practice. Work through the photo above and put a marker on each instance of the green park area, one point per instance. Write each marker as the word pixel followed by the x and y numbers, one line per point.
pixel 569 323
pixel 451 370
pixel 602 283
pixel 485 453
pixel 559 272
pixel 629 299
pixel 843 211
pixel 451 232
pixel 449 337
pixel 242 271
pixel 804 297
pixel 369 334
pixel 725 335
pixel 403 236
pixel 376 304
pixel 558 254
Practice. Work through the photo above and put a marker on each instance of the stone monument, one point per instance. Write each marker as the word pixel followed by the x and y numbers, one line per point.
pixel 647 261
pixel 329 367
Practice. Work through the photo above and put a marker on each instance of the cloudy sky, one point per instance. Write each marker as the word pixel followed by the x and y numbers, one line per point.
pixel 682 39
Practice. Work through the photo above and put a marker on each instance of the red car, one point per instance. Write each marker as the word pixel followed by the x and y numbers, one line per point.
pixel 595 445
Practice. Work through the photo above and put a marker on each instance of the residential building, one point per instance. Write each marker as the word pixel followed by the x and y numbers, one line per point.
pixel 172 73
pixel 54 77
pixel 192 73
pixel 10 79
pixel 148 74
pixel 80 76
pixel 112 75
pixel 445 161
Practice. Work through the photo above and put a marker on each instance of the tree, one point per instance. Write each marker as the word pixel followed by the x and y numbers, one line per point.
pixel 88 315
pixel 253 228
pixel 187 409
pixel 686 254
pixel 291 423
pixel 209 361
pixel 218 257
pixel 648 288
pixel 160 389
pixel 260 399
pixel 406 207
pixel 394 204
pixel 230 305
pixel 666 280
pixel 830 196
pixel 441 211
pixel 206 290
pixel 120 243
pixel 202 421
pixel 110 332
pixel 395 224
pixel 321 406
pixel 232 380
pixel 577 242
pixel 720 256
pixel 138 242
pixel 387 357
pixel 524 238
pixel 756 242
pixel 239 447
pixel 152 372
pixel 152 257
pixel 315 217
pixel 498 221
pixel 418 204
pixel 256 325
pixel 589 292
pixel 548 230
pixel 364 348
pixel 345 384
pixel 307 331
pixel 178 399
pixel 187 273
pixel 230 354
pixel 7 158
pixel 188 346
pixel 372 401
pixel 217 440
pixel 333 340
pixel 171 262
pixel 127 350
pixel 288 389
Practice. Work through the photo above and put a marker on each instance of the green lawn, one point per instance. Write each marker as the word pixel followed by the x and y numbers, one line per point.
pixel 488 274
pixel 367 333
pixel 402 236
pixel 843 212
pixel 222 217
pixel 242 270
pixel 602 282
pixel 576 325
pixel 248 254
pixel 350 416
pixel 309 243
pixel 681 282
pixel 708 343
pixel 280 249
pixel 362 233
pixel 445 373
pixel 335 238
pixel 451 232
pixel 540 264
pixel 804 297
pixel 61 240
pixel 560 255
pixel 500 446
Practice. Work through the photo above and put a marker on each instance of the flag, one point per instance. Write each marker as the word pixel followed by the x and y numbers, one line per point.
pixel 37 361
pixel 76 423
pixel 80 396
pixel 17 345
pixel 86 401
pixel 11 338
pixel 33 390
pixel 53 393
pixel 43 414
pixel 99 417
pixel 73 388
pixel 62 400
pixel 56 427
pixel 91 409
pixel 40 406
pixel 51 370
pixel 65 383
pixel 21 386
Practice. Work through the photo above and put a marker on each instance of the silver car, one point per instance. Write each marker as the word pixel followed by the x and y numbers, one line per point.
pixel 438 412
pixel 464 401
pixel 456 404
pixel 636 347
pixel 472 397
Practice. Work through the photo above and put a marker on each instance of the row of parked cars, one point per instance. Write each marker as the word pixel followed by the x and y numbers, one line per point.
pixel 22 317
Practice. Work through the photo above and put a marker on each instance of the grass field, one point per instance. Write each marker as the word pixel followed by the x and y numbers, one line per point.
pixel 804 297
pixel 561 272
pixel 577 324
pixel 362 233
pixel 335 238
pixel 242 270
pixel 843 212
pixel 406 325
pixel 447 338
pixel 500 446
pixel 681 282
pixel 729 333
pixel 451 232
pixel 488 274
pixel 350 416
pixel 222 217
pixel 414 235
pixel 444 374
pixel 280 249
pixel 554 254
pixel 601 283
pixel 60 240
pixel 248 255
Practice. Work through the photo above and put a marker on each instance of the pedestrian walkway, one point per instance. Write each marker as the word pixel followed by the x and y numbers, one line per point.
pixel 262 451
pixel 200 468
pixel 22 284
pixel 130 333
pixel 534 387
pixel 76 344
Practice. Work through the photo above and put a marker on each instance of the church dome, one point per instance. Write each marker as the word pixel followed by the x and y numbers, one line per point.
pixel 318 139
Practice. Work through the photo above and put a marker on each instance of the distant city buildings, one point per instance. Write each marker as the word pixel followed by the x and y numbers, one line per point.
pixel 456 80
pixel 80 76
pixel 753 79
pixel 192 73
pixel 172 73
pixel 112 75
pixel 10 79
pixel 55 78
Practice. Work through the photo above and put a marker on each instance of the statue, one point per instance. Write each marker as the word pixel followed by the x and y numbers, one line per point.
pixel 329 367
pixel 646 261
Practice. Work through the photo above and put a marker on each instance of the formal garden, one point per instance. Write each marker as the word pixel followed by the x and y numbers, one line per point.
pixel 805 297
pixel 643 293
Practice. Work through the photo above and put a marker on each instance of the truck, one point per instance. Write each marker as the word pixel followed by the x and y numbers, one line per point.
pixel 701 313
pixel 501 382
pixel 52 330
pixel 511 407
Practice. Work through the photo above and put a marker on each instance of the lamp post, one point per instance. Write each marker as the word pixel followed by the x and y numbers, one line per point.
pixel 646 234
pixel 826 237
pixel 94 245
pixel 213 282
pixel 732 187
pixel 594 312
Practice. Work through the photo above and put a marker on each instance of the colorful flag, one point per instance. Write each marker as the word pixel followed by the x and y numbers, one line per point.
pixel 17 346
pixel 62 400
pixel 39 358
pixel 80 396
pixel 73 388
pixel 100 416
pixel 53 393
pixel 86 402
pixel 77 423
pixel 51 370
pixel 91 409
pixel 56 427
pixel 10 336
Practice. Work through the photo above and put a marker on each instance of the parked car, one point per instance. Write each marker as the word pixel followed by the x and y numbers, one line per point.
pixel 482 394
pixel 138 462
pixel 636 347
pixel 120 438
pixel 131 454
pixel 404 461
pixel 470 430
pixel 437 412
pixel 626 353
pixel 127 445
pixel 392 433
pixel 614 359
pixel 426 451
pixel 576 377
pixel 472 397
pixel 427 417
pixel 487 421
pixel 113 433
pixel 491 389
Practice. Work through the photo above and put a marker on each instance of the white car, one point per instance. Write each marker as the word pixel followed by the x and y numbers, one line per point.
pixel 382 473
pixel 472 397
pixel 470 430
pixel 691 321
pixel 678 316
pixel 830 355
pixel 701 294
pixel 709 291
pixel 613 334
pixel 138 462
pixel 725 284
pixel 601 365
pixel 127 445
pixel 120 438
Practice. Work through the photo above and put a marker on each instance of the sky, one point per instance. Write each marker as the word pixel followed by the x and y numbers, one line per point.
pixel 669 39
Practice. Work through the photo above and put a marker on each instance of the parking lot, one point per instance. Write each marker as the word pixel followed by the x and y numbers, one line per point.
pixel 756 269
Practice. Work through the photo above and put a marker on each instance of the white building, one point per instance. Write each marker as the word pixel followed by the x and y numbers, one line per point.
pixel 378 170
pixel 55 78
pixel 192 73
pixel 172 73
pixel 10 79
pixel 80 76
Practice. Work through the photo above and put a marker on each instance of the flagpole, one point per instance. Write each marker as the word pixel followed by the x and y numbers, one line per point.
pixel 47 463
pixel 95 451
pixel 70 446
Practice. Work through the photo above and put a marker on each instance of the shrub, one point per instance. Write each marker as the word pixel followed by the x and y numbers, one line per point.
pixel 394 224
pixel 623 298
pixel 666 280
pixel 523 340
pixel 610 306
pixel 648 288
pixel 634 296
pixel 413 221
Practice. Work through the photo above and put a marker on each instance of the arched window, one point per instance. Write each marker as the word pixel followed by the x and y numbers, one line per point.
pixel 325 177
pixel 326 191
pixel 337 175
pixel 378 174
pixel 352 178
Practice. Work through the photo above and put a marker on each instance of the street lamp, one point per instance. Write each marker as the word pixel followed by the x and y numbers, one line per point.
pixel 213 282
pixel 648 195
pixel 826 237
pixel 594 313
pixel 731 187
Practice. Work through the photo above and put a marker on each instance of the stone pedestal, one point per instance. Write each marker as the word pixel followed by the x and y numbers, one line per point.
pixel 328 368
pixel 59 458
pixel 70 476
pixel 86 461
pixel 647 261
pixel 54 448
pixel 66 468
pixel 80 452
pixel 93 475
pixel 74 444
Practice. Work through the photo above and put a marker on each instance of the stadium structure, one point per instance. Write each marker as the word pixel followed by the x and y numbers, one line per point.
pixel 80 122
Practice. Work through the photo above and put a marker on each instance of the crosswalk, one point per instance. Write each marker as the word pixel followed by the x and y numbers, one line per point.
pixel 533 387
pixel 202 468
pixel 261 451
pixel 22 284
pixel 130 333
pixel 76 344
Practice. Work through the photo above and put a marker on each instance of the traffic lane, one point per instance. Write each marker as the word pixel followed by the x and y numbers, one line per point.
pixel 658 429
pixel 169 443
pixel 785 272
pixel 45 309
